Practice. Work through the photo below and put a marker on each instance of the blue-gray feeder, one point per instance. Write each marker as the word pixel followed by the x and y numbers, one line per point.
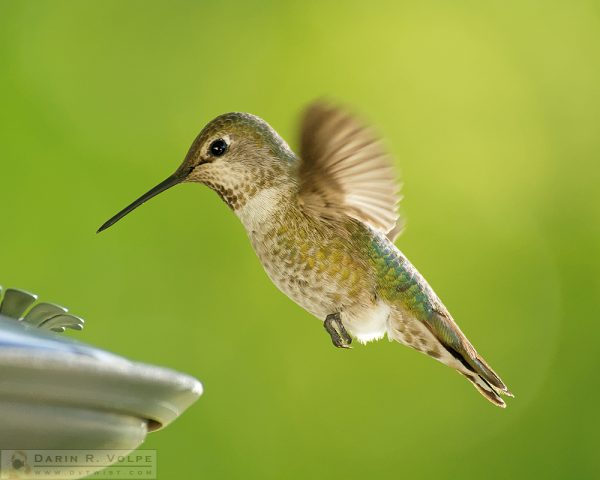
pixel 60 394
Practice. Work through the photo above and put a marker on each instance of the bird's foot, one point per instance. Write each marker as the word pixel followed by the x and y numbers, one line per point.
pixel 335 328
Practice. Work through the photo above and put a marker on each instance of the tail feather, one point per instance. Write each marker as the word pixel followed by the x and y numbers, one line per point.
pixel 491 377
pixel 448 333
pixel 490 392
pixel 481 375
pixel 440 338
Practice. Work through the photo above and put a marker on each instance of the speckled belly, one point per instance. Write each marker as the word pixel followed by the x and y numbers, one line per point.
pixel 322 277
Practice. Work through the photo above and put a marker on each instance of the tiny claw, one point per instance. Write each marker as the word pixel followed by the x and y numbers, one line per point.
pixel 339 336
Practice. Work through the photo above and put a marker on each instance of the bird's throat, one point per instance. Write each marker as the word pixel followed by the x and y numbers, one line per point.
pixel 259 211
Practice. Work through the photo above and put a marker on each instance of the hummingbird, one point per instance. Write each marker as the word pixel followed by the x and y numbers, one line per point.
pixel 323 224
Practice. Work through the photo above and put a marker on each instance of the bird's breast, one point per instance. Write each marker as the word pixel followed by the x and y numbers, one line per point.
pixel 314 264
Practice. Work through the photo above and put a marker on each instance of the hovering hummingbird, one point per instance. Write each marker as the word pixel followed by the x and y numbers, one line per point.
pixel 323 225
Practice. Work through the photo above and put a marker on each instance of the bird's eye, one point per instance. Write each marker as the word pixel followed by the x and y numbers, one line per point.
pixel 218 147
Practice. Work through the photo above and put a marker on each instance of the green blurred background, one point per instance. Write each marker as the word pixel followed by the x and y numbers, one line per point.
pixel 492 110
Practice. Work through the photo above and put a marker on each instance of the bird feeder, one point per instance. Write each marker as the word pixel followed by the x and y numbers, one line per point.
pixel 57 394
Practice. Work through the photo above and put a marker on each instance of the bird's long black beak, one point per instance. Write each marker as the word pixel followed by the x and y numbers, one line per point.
pixel 171 181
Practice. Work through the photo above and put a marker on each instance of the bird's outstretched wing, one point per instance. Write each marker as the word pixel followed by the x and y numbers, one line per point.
pixel 345 170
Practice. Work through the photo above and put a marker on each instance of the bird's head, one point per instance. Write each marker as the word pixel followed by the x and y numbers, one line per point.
pixel 237 155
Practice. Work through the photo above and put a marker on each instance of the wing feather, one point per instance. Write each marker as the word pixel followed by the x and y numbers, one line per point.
pixel 345 170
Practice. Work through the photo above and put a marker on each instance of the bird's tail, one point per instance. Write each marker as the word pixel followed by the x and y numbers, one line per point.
pixel 440 338
pixel 490 392
pixel 484 379
pixel 474 367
